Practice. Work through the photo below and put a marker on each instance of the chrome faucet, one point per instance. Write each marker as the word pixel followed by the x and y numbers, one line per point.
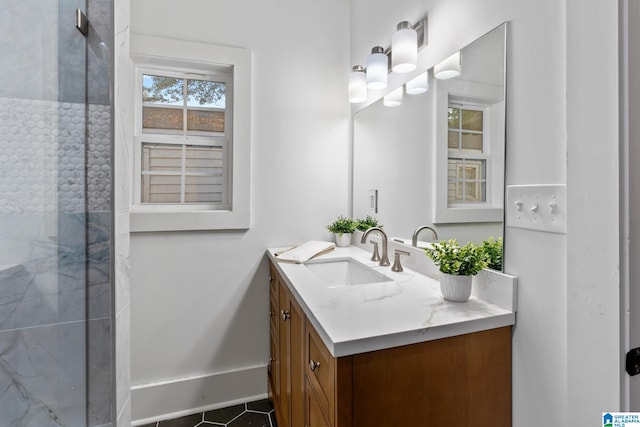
pixel 414 239
pixel 384 261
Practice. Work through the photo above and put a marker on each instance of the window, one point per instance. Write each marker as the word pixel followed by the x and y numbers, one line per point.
pixel 184 139
pixel 467 157
pixel 469 152
pixel 191 153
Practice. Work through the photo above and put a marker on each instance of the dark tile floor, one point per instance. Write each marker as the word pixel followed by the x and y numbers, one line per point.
pixel 252 414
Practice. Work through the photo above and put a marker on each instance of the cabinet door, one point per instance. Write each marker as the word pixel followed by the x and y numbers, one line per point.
pixel 319 366
pixel 274 324
pixel 284 399
pixel 315 416
pixel 291 351
pixel 296 362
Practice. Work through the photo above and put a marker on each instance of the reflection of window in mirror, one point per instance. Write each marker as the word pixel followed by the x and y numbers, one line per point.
pixel 468 154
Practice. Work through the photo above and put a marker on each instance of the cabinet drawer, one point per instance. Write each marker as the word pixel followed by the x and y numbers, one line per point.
pixel 319 368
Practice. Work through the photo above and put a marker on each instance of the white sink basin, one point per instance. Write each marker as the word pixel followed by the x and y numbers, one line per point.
pixel 344 272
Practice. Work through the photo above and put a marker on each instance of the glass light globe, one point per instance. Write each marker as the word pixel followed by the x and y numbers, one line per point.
pixel 394 98
pixel 418 84
pixel 357 85
pixel 377 68
pixel 404 49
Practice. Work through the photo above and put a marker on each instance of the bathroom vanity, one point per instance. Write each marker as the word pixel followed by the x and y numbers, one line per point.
pixel 385 350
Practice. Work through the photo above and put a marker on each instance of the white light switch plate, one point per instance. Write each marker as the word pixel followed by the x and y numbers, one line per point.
pixel 537 207
pixel 373 201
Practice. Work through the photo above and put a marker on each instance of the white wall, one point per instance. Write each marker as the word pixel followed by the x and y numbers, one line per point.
pixel 199 299
pixel 630 128
pixel 566 340
pixel 593 282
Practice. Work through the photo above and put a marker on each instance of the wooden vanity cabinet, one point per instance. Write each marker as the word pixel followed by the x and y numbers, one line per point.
pixel 460 380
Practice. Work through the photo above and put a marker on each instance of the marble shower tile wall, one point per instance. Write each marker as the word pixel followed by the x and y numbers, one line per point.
pixel 123 121
pixel 100 339
pixel 41 383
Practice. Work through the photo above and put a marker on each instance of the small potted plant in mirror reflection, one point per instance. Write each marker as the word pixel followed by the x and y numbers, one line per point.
pixel 458 264
pixel 493 249
pixel 342 227
pixel 367 223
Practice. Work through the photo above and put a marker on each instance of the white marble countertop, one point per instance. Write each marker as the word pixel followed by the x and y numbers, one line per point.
pixel 410 309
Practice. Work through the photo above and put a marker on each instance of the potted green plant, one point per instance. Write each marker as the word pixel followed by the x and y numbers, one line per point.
pixel 493 251
pixel 368 222
pixel 458 264
pixel 343 228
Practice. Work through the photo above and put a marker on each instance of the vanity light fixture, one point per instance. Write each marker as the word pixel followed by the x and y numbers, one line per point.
pixel 449 68
pixel 394 98
pixel 357 85
pixel 405 44
pixel 404 48
pixel 377 68
pixel 418 84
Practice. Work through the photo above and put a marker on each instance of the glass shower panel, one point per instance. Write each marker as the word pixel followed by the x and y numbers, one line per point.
pixel 46 228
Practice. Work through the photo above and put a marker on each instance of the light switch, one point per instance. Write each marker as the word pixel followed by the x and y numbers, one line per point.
pixel 373 201
pixel 537 207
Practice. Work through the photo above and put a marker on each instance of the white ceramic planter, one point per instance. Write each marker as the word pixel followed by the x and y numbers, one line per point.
pixel 455 288
pixel 343 239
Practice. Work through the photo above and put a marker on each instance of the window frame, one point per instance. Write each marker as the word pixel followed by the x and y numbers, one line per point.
pixel 473 95
pixel 168 55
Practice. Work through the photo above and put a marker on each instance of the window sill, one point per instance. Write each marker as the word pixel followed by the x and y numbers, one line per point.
pixel 188 221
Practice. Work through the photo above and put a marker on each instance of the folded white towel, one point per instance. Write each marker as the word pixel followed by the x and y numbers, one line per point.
pixel 304 252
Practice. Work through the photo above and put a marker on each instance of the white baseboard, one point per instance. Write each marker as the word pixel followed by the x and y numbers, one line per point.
pixel 184 396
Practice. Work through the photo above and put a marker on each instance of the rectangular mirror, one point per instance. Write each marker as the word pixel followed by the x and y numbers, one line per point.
pixel 438 158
